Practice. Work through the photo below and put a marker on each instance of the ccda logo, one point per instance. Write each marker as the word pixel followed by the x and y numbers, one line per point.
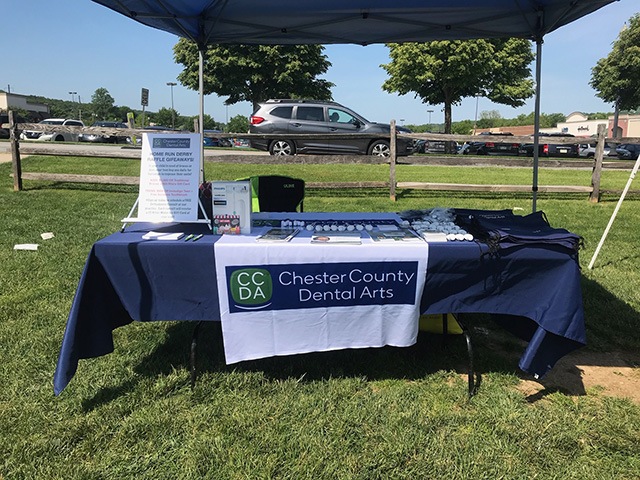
pixel 250 287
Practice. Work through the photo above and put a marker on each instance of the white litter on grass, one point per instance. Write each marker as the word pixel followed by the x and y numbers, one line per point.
pixel 47 235
pixel 26 246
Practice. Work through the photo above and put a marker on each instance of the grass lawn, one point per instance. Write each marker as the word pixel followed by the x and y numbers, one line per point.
pixel 377 413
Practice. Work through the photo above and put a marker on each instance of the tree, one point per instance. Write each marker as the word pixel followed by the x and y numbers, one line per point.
pixel 102 103
pixel 448 71
pixel 238 124
pixel 616 77
pixel 255 73
pixel 489 119
pixel 166 117
pixel 209 122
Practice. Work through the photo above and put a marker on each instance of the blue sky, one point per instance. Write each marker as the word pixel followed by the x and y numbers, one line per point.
pixel 51 48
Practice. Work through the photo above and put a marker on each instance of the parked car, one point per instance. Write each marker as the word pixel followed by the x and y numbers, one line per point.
pixel 547 148
pixel 589 150
pixel 325 118
pixel 100 138
pixel 213 141
pixel 420 146
pixel 54 136
pixel 628 151
pixel 437 146
pixel 498 145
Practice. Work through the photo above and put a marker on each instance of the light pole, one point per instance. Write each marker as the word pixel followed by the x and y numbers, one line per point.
pixel 475 120
pixel 72 94
pixel 429 112
pixel 173 112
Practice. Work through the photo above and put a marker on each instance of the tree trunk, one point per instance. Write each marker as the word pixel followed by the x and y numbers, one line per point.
pixel 448 146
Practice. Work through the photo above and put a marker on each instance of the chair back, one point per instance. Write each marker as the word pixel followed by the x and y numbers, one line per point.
pixel 277 193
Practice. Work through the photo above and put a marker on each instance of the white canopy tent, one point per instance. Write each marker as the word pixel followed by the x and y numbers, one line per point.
pixel 360 22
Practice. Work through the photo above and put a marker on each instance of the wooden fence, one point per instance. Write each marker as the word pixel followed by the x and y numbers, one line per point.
pixel 393 185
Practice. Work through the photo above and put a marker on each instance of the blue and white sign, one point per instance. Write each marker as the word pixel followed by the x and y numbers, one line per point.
pixel 169 177
pixel 298 297
pixel 320 285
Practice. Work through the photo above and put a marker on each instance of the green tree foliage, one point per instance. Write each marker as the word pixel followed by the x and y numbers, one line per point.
pixel 166 116
pixel 102 104
pixel 255 73
pixel 616 78
pixel 464 127
pixel 57 108
pixel 120 113
pixel 238 124
pixel 209 123
pixel 449 71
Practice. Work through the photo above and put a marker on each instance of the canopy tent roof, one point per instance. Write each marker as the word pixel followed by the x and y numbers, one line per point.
pixel 352 21
pixel 363 22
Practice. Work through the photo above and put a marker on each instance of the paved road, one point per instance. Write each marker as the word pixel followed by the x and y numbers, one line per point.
pixel 5 152
pixel 129 152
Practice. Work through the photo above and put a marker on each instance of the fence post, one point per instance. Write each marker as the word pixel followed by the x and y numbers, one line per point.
pixel 392 160
pixel 15 153
pixel 597 167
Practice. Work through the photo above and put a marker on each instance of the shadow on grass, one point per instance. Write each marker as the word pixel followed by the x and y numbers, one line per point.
pixel 613 342
pixel 431 354
pixel 81 187
pixel 611 327
pixel 465 195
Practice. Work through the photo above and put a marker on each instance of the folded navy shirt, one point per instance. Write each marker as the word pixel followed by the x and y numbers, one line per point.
pixel 501 229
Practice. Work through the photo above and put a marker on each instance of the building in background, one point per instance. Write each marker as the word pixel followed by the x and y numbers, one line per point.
pixel 579 125
pixel 12 101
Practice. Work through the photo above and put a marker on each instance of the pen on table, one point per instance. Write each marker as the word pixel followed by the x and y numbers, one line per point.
pixel 189 237
pixel 198 237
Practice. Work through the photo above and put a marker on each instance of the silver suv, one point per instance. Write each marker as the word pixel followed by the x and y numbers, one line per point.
pixel 324 118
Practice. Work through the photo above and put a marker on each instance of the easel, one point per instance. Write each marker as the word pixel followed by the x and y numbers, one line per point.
pixel 131 219
pixel 168 160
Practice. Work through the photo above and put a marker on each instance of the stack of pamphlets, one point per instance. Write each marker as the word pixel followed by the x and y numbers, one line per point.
pixel 162 235
pixel 398 235
pixel 278 235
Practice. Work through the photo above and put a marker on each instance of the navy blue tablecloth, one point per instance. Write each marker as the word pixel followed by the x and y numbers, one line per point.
pixel 534 292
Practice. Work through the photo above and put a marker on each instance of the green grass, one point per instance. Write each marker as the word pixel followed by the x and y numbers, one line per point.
pixel 377 413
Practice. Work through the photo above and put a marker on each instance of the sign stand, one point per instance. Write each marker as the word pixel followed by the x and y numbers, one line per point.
pixel 131 219
pixel 169 181
pixel 615 212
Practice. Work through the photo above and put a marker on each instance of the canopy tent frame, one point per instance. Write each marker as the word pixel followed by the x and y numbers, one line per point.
pixel 361 22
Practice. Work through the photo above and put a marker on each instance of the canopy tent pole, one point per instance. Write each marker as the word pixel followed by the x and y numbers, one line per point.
pixel 615 212
pixel 201 51
pixel 536 124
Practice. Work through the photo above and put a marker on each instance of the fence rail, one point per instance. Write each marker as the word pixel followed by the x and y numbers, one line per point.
pixel 90 151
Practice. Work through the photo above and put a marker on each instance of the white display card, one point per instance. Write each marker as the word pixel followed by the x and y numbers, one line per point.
pixel 169 177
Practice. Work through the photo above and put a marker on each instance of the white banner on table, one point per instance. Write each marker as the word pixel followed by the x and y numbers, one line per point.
pixel 169 177
pixel 297 297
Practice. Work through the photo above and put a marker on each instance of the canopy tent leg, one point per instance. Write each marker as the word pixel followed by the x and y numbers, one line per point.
pixel 536 125
pixel 201 52
pixel 615 212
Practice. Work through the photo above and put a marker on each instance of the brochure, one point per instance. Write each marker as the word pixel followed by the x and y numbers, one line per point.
pixel 399 235
pixel 163 236
pixel 337 237
pixel 278 235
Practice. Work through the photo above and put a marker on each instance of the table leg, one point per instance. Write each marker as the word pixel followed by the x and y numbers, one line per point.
pixel 194 345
